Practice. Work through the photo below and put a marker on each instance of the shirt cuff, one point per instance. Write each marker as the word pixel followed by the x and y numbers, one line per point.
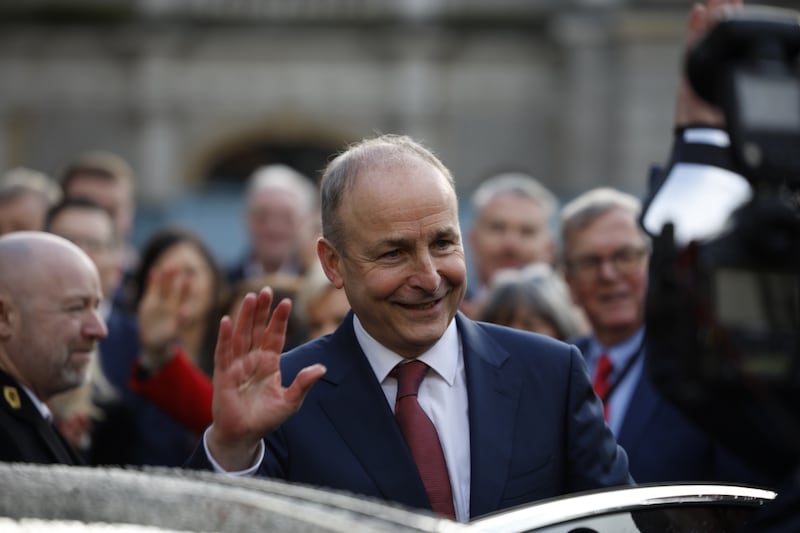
pixel 711 136
pixel 246 472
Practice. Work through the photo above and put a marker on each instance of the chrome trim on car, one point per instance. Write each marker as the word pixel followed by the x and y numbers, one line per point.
pixel 582 505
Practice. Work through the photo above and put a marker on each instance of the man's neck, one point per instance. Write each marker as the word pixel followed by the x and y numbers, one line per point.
pixel 611 337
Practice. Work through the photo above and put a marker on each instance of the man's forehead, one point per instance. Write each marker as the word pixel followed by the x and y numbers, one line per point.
pixel 595 238
pixel 107 192
pixel 78 216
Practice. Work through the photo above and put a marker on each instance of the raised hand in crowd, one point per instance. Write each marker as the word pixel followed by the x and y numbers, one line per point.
pixel 159 314
pixel 690 109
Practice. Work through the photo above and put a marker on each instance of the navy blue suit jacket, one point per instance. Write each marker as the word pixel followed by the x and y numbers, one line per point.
pixel 663 445
pixel 536 427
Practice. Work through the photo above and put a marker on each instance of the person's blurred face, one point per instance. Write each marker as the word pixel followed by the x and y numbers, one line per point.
pixel 325 313
pixel 112 195
pixel 186 259
pixel 274 223
pixel 511 231
pixel 607 274
pixel 24 212
pixel 402 264
pixel 59 324
pixel 93 231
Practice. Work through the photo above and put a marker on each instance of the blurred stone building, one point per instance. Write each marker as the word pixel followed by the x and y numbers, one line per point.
pixel 197 93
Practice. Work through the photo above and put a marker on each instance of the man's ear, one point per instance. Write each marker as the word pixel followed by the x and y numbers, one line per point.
pixel 7 315
pixel 331 262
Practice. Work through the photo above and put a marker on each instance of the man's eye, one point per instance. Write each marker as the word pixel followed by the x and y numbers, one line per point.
pixel 496 227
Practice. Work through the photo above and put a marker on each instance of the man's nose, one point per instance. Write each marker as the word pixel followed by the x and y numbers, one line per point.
pixel 607 268
pixel 426 273
pixel 95 326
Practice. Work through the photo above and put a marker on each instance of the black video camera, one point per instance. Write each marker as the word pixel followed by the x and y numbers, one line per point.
pixel 723 306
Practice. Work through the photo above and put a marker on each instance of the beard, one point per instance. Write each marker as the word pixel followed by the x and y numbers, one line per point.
pixel 74 371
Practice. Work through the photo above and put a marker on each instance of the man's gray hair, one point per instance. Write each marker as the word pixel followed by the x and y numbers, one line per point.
pixel 517 183
pixel 587 207
pixel 341 173
pixel 22 180
pixel 283 177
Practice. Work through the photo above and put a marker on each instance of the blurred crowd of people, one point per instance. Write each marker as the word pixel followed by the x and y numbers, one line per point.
pixel 576 273
pixel 163 302
pixel 165 299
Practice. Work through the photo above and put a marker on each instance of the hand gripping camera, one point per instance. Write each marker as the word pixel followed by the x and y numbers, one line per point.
pixel 723 307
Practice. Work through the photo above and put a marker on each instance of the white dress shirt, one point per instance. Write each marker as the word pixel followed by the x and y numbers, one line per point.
pixel 443 397
pixel 620 354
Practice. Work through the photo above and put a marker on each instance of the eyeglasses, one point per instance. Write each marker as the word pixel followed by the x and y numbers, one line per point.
pixel 625 261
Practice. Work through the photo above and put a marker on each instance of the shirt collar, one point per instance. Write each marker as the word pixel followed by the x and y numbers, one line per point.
pixel 621 352
pixel 40 405
pixel 442 356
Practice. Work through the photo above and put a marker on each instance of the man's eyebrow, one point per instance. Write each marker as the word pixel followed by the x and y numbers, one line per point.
pixel 393 242
pixel 448 233
pixel 82 298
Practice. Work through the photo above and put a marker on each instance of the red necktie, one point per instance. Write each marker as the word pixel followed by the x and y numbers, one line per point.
pixel 421 437
pixel 601 383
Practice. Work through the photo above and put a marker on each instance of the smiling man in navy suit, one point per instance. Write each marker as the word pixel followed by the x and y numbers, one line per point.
pixel 514 411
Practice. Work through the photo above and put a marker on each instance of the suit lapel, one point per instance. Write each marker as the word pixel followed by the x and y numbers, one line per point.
pixel 493 392
pixel 56 442
pixel 641 408
pixel 356 406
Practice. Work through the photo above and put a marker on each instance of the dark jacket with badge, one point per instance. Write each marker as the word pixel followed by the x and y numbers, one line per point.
pixel 25 435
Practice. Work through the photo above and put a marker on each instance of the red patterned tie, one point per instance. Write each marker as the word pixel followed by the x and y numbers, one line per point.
pixel 421 437
pixel 601 383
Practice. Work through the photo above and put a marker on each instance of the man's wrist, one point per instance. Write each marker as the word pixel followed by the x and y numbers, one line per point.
pixel 151 361
pixel 243 461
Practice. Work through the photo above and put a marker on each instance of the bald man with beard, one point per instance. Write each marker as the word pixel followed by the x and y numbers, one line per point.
pixel 49 327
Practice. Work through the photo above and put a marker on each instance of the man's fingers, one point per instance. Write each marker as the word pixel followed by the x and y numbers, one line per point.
pixel 163 278
pixel 222 351
pixel 243 328
pixel 697 23
pixel 717 9
pixel 274 336
pixel 182 287
pixel 263 305
pixel 302 383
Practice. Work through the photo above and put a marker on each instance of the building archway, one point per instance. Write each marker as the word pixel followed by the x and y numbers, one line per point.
pixel 230 161
pixel 217 174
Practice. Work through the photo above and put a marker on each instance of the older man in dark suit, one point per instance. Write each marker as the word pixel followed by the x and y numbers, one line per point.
pixel 49 328
pixel 606 254
pixel 508 417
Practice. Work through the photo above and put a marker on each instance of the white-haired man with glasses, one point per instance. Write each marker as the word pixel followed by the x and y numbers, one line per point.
pixel 605 257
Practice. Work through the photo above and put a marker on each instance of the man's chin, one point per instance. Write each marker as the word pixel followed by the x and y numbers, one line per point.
pixel 77 373
pixel 79 361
